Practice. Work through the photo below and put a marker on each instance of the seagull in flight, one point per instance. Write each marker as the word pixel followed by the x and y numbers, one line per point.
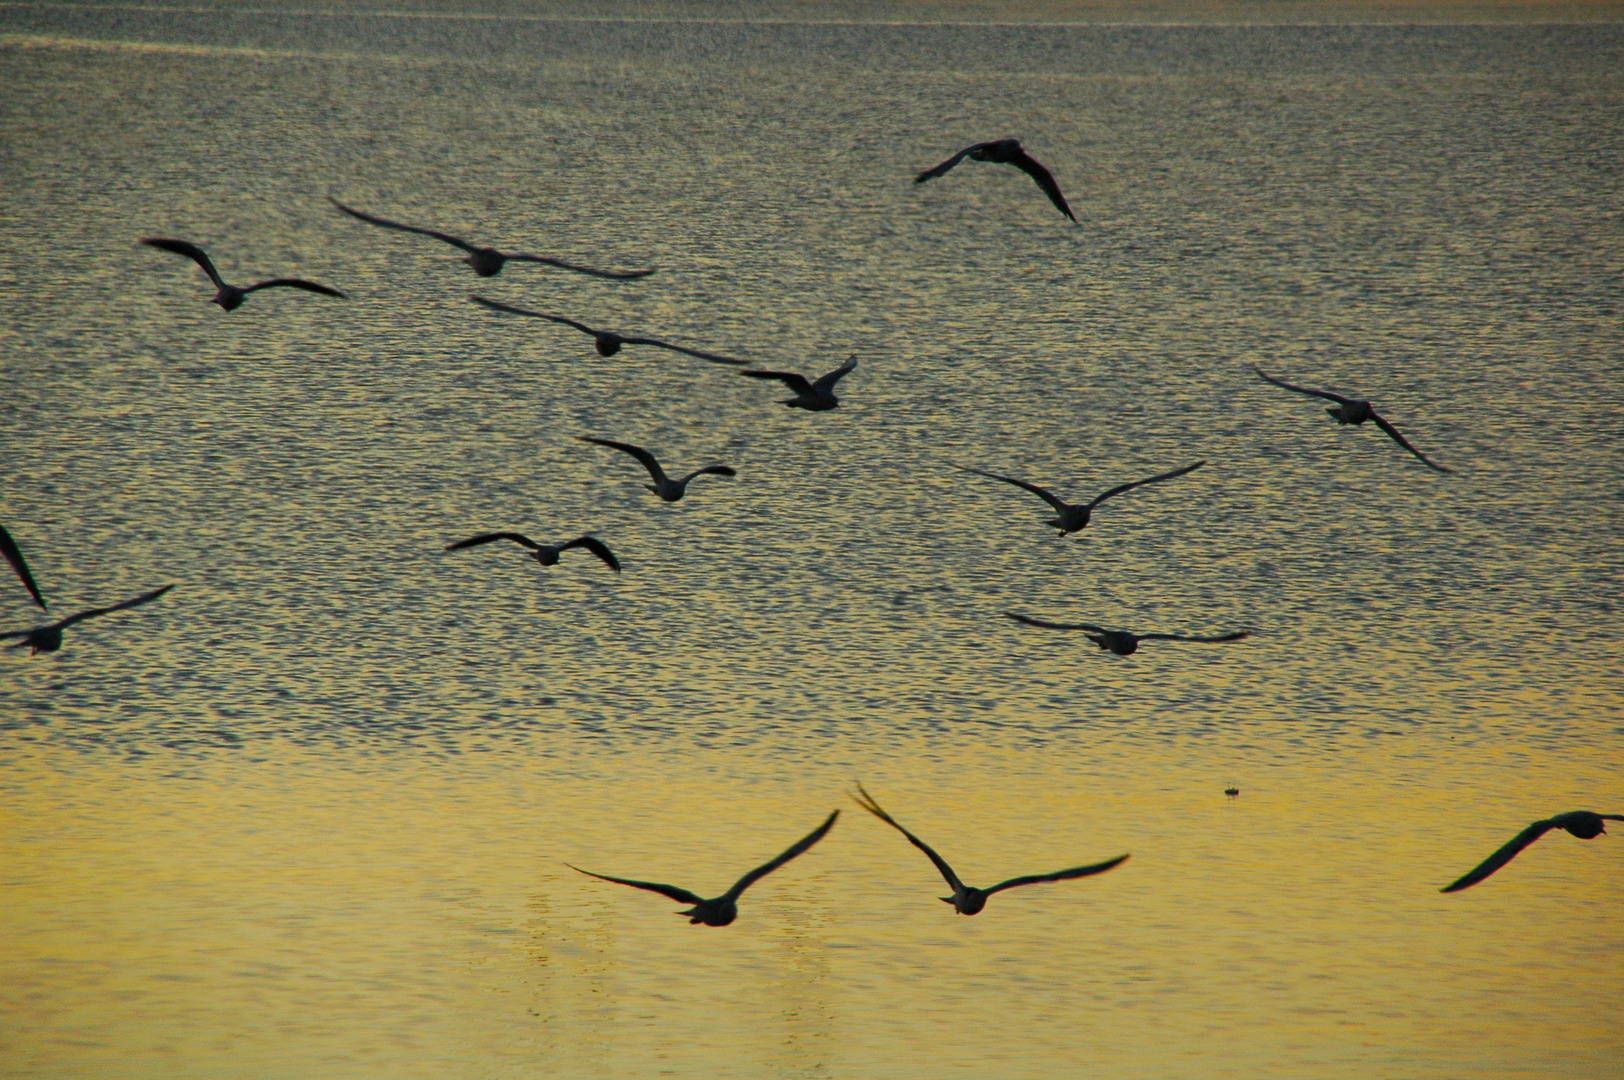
pixel 667 489
pixel 967 899
pixel 14 556
pixel 49 638
pixel 607 342
pixel 1072 518
pixel 1005 152
pixel 812 396
pixel 487 261
pixel 1581 823
pixel 1354 411
pixel 230 297
pixel 1122 642
pixel 725 908
pixel 545 554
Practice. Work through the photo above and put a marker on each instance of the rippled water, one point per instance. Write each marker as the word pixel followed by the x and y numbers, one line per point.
pixel 307 814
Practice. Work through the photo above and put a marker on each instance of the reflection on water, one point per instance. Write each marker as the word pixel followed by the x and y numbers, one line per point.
pixel 308 813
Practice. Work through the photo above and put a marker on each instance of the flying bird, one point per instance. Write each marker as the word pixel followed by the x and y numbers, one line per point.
pixel 230 297
pixel 14 556
pixel 607 342
pixel 1072 518
pixel 1005 152
pixel 812 396
pixel 1122 642
pixel 487 261
pixel 49 638
pixel 967 899
pixel 725 908
pixel 667 489
pixel 1581 823
pixel 1354 411
pixel 545 554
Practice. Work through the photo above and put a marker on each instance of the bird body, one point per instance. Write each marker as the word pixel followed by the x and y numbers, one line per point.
pixel 1122 642
pixel 721 910
pixel 1585 824
pixel 545 554
pixel 606 342
pixel 230 297
pixel 49 638
pixel 19 566
pixel 667 489
pixel 1069 517
pixel 812 396
pixel 1354 411
pixel 1005 152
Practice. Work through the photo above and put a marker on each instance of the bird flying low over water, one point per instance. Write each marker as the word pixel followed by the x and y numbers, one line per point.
pixel 1072 518
pixel 14 556
pixel 545 554
pixel 1122 642
pixel 1584 824
pixel 230 297
pixel 1354 411
pixel 49 638
pixel 607 342
pixel 967 899
pixel 667 489
pixel 812 396
pixel 1005 152
pixel 487 261
pixel 725 908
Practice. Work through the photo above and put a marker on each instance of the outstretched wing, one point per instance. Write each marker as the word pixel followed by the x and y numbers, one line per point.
pixel 136 602
pixel 712 470
pixel 1236 636
pixel 1402 441
pixel 1326 394
pixel 1029 621
pixel 1042 493
pixel 799 847
pixel 931 174
pixel 1033 168
pixel 597 547
pixel 486 538
pixel 1058 875
pixel 511 310
pixel 387 224
pixel 191 251
pixel 712 357
pixel 827 382
pixel 791 379
pixel 14 556
pixel 617 275
pixel 1120 488
pixel 637 452
pixel 681 896
pixel 295 283
pixel 866 801
pixel 1503 856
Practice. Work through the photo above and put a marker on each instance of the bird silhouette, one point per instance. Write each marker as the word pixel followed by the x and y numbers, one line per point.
pixel 723 909
pixel 487 261
pixel 14 556
pixel 1354 411
pixel 230 297
pixel 1122 642
pixel 607 342
pixel 812 396
pixel 1005 152
pixel 49 638
pixel 1584 824
pixel 1072 518
pixel 667 489
pixel 545 554
pixel 967 899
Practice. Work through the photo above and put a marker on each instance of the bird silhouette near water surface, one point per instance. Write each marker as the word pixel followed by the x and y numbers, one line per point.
pixel 812 396
pixel 1122 642
pixel 19 566
pixel 1584 824
pixel 607 342
pixel 1074 517
pixel 967 899
pixel 545 554
pixel 723 909
pixel 1354 411
pixel 667 489
pixel 230 297
pixel 49 638
pixel 488 261
pixel 1005 152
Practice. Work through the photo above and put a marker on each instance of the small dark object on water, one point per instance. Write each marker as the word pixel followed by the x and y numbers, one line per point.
pixel 1232 792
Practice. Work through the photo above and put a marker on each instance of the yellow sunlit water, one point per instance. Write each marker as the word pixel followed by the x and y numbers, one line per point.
pixel 309 813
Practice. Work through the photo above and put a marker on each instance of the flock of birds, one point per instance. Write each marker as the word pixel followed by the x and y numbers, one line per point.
pixel 814 396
